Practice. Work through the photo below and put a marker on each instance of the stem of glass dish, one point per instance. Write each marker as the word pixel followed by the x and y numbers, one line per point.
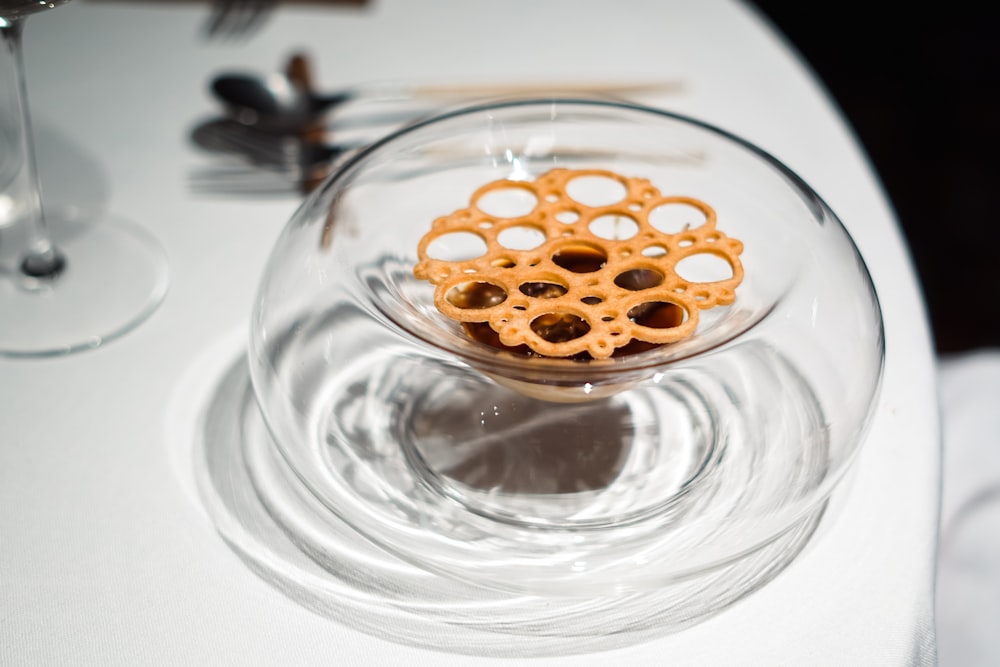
pixel 41 259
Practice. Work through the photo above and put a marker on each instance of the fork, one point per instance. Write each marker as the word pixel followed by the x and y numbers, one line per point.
pixel 236 19
pixel 262 163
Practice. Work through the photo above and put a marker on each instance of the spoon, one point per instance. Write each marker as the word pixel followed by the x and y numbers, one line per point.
pixel 274 104
pixel 286 101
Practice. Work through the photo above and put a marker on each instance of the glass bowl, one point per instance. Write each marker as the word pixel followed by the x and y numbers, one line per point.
pixel 564 476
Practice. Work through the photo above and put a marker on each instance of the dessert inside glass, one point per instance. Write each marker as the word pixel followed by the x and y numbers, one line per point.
pixel 577 264
pixel 565 347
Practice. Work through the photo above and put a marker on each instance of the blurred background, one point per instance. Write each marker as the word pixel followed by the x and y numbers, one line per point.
pixel 922 92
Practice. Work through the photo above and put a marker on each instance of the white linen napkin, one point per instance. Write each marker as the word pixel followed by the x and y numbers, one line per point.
pixel 968 589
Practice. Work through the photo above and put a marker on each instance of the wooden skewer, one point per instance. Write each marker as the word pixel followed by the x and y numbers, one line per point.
pixel 542 88
pixel 299 72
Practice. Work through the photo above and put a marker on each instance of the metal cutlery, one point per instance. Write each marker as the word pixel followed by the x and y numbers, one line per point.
pixel 286 101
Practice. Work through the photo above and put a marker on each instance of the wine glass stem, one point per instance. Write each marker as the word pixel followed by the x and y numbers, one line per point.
pixel 40 258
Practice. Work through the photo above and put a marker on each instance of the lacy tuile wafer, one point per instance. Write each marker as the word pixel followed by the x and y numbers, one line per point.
pixel 599 278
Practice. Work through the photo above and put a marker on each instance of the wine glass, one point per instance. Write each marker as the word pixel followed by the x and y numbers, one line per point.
pixel 67 282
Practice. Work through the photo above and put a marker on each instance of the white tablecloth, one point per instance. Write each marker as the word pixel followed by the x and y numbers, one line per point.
pixel 106 556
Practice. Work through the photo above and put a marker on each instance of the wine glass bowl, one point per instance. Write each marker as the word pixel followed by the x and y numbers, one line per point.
pixel 565 476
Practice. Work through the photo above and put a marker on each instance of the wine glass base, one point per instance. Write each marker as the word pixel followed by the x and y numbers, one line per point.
pixel 115 276
pixel 289 539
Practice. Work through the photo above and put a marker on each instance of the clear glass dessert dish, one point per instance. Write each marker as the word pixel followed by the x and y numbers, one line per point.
pixel 560 476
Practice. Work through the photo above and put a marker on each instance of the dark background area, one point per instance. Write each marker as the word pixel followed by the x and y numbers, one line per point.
pixel 921 89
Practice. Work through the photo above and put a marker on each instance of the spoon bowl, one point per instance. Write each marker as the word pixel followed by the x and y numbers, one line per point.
pixel 273 103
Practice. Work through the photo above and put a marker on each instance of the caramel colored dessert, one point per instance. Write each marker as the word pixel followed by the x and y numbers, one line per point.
pixel 597 280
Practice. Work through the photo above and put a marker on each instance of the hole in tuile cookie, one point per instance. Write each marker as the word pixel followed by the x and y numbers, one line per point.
pixel 507 202
pixel 657 315
pixel 704 267
pixel 568 216
pixel 655 250
pixel 638 279
pixel 559 327
pixel 676 217
pixel 475 295
pixel 580 258
pixel 542 290
pixel 613 227
pixel 521 237
pixel 596 190
pixel 456 247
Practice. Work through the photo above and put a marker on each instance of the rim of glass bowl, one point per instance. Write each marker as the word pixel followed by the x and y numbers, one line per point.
pixel 585 370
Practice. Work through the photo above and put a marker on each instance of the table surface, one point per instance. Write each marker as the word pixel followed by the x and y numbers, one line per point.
pixel 106 556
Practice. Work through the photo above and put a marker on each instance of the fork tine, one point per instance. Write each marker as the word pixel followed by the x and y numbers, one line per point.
pixel 237 16
pixel 246 181
pixel 255 16
pixel 218 17
pixel 242 10
pixel 235 19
